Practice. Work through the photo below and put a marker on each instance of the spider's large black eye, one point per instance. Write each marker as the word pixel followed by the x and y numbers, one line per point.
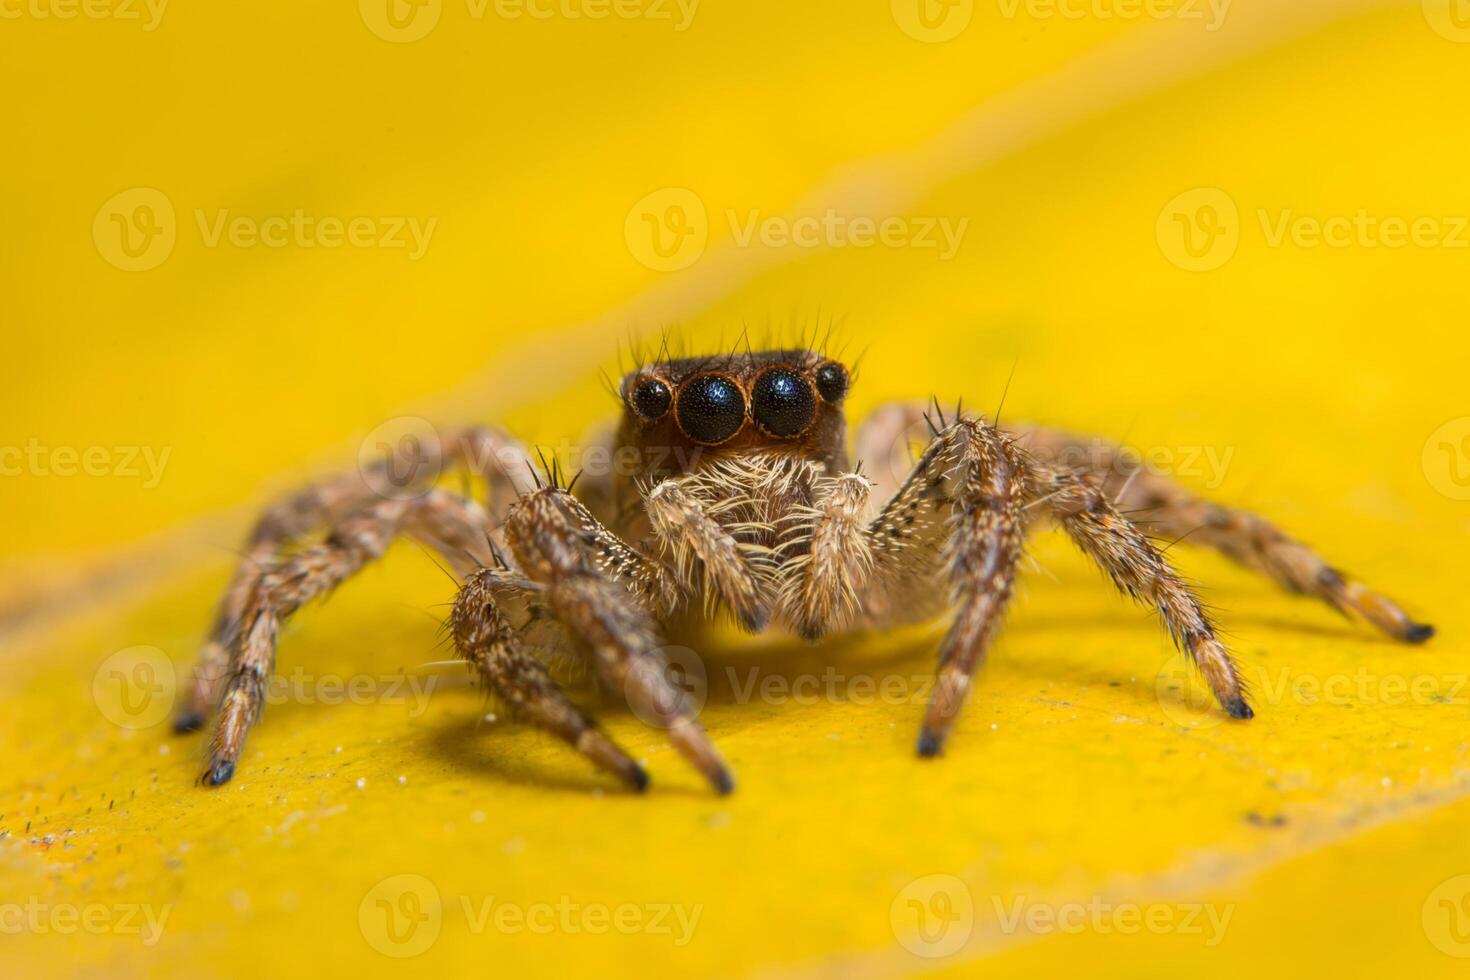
pixel 711 408
pixel 782 403
pixel 832 381
pixel 651 399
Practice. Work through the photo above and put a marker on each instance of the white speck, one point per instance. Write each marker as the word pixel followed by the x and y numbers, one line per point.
pixel 402 780
pixel 1387 781
pixel 337 749
pixel 477 817
pixel 515 846
pixel 490 718
pixel 163 750
pixel 994 727
pixel 362 784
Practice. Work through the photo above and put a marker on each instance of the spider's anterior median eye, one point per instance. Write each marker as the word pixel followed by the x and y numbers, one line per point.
pixel 782 403
pixel 832 381
pixel 711 408
pixel 651 399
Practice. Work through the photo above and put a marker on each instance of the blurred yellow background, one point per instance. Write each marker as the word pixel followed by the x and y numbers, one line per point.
pixel 236 240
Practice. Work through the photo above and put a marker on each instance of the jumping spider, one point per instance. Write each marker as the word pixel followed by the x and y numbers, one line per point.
pixel 755 510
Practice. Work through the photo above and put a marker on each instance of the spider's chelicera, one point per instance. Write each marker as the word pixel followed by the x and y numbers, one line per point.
pixel 744 500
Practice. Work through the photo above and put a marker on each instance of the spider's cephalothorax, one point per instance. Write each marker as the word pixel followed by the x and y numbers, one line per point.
pixel 740 498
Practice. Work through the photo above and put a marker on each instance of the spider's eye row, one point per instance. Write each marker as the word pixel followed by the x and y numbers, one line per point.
pixel 783 403
pixel 711 408
pixel 832 381
pixel 651 399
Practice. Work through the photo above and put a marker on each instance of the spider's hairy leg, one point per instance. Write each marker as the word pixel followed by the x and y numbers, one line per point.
pixel 1140 570
pixel 485 637
pixel 279 592
pixel 448 523
pixel 826 559
pixel 588 579
pixel 485 452
pixel 1172 511
pixel 958 516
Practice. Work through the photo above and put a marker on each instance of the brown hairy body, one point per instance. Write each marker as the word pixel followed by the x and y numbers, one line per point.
pixel 741 500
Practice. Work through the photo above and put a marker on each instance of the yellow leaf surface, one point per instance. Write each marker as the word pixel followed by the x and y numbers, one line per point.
pixel 1092 815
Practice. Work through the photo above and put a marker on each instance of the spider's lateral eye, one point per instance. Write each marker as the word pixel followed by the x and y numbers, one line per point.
pixel 711 408
pixel 651 399
pixel 782 403
pixel 832 381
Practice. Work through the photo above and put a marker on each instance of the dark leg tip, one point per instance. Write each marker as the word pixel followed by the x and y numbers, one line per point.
pixel 724 783
pixel 1418 632
pixel 219 773
pixel 1239 709
pixel 930 744
pixel 638 779
pixel 188 721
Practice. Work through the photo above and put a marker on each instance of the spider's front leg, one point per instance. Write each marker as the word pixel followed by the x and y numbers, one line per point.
pixel 604 593
pixel 957 518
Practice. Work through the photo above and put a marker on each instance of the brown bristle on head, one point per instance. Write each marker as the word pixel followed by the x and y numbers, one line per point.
pixel 787 400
